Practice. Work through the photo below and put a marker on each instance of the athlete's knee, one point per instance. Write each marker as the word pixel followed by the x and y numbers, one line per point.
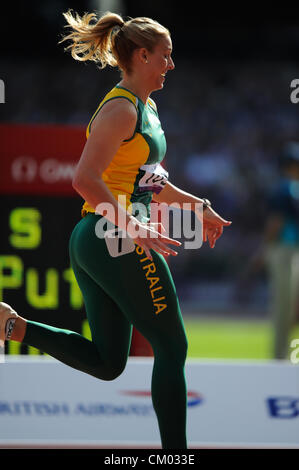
pixel 112 374
pixel 183 349
pixel 174 350
pixel 180 348
pixel 111 371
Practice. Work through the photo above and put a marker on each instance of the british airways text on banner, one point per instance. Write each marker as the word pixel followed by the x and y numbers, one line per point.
pixel 30 408
pixel 283 407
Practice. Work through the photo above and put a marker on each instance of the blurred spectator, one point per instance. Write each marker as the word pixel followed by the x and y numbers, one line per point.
pixel 282 254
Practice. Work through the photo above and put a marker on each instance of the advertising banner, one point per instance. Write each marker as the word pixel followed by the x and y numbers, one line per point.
pixel 39 159
pixel 241 404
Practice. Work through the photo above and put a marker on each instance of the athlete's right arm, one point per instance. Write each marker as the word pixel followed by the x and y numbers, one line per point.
pixel 114 123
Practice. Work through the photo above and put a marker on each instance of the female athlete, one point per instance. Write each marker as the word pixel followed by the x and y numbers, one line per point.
pixel 117 255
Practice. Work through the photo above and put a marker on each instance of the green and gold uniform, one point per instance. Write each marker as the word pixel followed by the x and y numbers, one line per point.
pixel 135 170
pixel 123 287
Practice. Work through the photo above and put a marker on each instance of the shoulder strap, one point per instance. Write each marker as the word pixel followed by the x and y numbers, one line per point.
pixel 152 104
pixel 114 93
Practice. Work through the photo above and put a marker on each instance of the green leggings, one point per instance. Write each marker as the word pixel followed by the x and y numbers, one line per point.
pixel 121 292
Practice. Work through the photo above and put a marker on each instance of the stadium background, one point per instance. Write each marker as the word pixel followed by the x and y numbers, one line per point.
pixel 226 112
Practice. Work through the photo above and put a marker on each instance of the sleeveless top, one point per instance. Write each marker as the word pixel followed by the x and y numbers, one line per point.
pixel 135 172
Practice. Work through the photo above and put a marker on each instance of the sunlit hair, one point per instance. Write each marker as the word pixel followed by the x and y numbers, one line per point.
pixel 110 40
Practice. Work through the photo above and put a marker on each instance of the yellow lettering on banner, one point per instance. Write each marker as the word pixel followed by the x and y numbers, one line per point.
pixel 50 297
pixel 11 277
pixel 14 279
pixel 76 297
pixel 25 224
pixel 86 329
pixel 14 347
pixel 33 351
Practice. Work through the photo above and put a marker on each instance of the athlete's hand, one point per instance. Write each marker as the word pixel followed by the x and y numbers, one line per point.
pixel 213 225
pixel 149 236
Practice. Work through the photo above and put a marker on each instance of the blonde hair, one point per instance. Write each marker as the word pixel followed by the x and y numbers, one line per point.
pixel 110 40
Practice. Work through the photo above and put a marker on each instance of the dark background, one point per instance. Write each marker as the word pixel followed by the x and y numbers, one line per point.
pixel 239 31
pixel 199 30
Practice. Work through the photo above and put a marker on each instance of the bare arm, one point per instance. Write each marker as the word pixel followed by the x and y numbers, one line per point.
pixel 171 194
pixel 115 123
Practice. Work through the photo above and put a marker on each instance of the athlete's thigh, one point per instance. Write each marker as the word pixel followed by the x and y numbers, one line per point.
pixel 143 289
pixel 145 292
pixel 151 302
pixel 110 329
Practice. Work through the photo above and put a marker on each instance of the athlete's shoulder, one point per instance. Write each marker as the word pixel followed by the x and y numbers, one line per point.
pixel 118 108
pixel 119 92
pixel 118 99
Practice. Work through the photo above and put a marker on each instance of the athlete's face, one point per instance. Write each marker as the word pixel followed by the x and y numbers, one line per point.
pixel 159 62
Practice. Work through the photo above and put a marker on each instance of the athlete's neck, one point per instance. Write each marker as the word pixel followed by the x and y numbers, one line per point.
pixel 135 88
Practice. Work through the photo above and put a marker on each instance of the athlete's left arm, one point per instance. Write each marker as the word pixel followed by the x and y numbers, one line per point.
pixel 213 223
pixel 171 194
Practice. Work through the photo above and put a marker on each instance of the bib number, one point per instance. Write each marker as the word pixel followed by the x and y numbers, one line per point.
pixel 154 178
pixel 118 244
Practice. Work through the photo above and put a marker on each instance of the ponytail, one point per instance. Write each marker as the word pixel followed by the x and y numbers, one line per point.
pixel 110 40
pixel 91 38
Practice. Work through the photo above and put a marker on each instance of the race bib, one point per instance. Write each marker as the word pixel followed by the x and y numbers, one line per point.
pixel 154 178
pixel 118 244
